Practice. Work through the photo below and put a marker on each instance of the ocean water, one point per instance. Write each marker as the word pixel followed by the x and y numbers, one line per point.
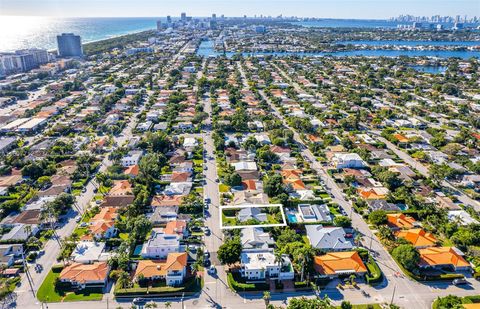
pixel 17 32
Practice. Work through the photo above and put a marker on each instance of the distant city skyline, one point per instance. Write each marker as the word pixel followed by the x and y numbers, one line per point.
pixel 368 9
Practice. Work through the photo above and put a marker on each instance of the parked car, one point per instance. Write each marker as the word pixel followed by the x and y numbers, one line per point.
pixel 212 269
pixel 206 254
pixel 139 301
pixel 459 281
pixel 207 231
pixel 207 263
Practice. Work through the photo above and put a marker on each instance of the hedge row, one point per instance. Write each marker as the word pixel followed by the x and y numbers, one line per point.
pixel 190 286
pixel 240 287
pixel 376 277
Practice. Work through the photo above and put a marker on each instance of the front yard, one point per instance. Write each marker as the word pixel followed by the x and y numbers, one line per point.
pixel 49 293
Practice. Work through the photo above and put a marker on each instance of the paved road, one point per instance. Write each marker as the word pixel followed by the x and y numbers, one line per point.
pixel 406 290
pixel 52 248
pixel 422 169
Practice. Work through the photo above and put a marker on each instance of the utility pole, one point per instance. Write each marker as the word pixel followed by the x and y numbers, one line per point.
pixel 393 294
pixel 27 273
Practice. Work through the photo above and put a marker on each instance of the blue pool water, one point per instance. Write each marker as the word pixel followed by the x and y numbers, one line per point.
pixel 292 218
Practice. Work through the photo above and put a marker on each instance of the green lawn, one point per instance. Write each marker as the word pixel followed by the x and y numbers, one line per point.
pixel 228 221
pixel 48 293
pixel 123 236
pixel 223 188
pixel 271 219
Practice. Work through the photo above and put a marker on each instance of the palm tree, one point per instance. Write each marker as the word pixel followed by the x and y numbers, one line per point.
pixel 168 304
pixel 352 278
pixel 123 280
pixel 266 298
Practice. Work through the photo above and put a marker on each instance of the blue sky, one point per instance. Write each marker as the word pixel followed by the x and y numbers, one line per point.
pixel 309 8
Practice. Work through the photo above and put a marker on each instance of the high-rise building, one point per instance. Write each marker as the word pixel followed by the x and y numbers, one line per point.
pixel 69 45
pixel 159 25
pixel 214 16
pixel 169 19
pixel 22 60
pixel 40 56
pixel 183 16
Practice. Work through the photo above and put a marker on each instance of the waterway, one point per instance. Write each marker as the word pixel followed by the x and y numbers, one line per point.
pixel 206 49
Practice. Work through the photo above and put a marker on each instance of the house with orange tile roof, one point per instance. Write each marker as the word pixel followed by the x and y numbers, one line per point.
pixel 376 193
pixel 334 264
pixel 121 187
pixel 132 170
pixel 249 184
pixel 178 227
pixel 85 275
pixel 291 174
pixel 102 229
pixel 401 138
pixel 401 221
pixel 295 184
pixel 165 200
pixel 180 177
pixel 441 257
pixel 173 270
pixel 419 238
pixel 106 214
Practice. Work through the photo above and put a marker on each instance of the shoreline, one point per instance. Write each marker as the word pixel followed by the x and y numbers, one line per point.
pixel 109 38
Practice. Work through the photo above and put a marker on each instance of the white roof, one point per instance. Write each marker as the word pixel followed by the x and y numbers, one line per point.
pixel 87 251
pixel 245 166
pixel 257 259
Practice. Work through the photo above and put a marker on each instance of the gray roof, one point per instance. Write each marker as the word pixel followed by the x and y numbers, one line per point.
pixel 6 142
pixel 19 232
pixel 256 238
pixel 328 238
pixel 382 205
pixel 163 240
pixel 251 213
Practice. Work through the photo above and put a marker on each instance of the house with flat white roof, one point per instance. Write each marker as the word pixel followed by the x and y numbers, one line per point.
pixel 87 252
pixel 132 158
pixel 314 213
pixel 257 265
pixel 160 245
pixel 347 160
pixel 245 166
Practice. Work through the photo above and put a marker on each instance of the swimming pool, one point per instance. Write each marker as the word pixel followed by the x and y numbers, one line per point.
pixel 292 218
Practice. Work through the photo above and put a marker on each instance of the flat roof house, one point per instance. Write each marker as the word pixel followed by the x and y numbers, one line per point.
pixel 347 160
pixel 132 158
pixel 259 265
pixel 160 245
pixel 87 252
pixel 314 213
